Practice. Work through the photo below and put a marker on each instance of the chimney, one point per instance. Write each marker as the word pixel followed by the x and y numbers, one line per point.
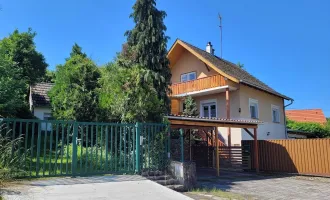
pixel 209 48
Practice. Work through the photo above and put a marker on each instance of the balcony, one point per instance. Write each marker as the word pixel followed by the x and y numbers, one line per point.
pixel 200 84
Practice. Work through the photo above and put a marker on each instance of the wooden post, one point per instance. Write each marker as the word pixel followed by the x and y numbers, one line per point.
pixel 228 115
pixel 256 150
pixel 217 151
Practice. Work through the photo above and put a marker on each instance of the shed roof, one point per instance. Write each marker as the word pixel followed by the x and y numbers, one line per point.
pixel 39 94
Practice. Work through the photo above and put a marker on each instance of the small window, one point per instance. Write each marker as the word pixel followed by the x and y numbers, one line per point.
pixel 275 114
pixel 188 76
pixel 48 116
pixel 254 108
pixel 209 110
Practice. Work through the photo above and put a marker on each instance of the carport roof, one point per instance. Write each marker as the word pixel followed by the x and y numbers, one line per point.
pixel 196 121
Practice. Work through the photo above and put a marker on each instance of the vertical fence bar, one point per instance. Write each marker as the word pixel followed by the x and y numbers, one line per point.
pixel 56 148
pixel 149 129
pixel 129 147
pixel 62 149
pixel 50 150
pixel 106 147
pixel 134 156
pixel 96 146
pixel 92 147
pixel 137 166
pixel 169 142
pixel 101 144
pixel 38 149
pixel 20 135
pixel 116 148
pixel 120 147
pixel 13 138
pixel 45 145
pixel 86 164
pixel 111 147
pixel 26 141
pixel 81 146
pixel 125 145
pixel 74 149
pixel 67 149
pixel 32 143
pixel 181 141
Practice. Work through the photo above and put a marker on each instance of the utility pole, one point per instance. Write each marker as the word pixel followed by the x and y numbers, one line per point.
pixel 220 18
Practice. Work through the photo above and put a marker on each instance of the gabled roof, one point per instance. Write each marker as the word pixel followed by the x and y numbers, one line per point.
pixel 307 115
pixel 39 94
pixel 227 69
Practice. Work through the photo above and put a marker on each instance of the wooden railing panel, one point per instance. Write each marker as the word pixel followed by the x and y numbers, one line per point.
pixel 304 156
pixel 198 84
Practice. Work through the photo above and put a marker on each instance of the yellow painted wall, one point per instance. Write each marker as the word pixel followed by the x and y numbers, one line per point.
pixel 189 63
pixel 265 101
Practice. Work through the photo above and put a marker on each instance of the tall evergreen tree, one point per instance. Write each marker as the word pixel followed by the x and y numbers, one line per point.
pixel 74 97
pixel 149 43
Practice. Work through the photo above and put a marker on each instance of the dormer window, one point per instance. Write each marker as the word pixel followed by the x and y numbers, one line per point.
pixel 188 76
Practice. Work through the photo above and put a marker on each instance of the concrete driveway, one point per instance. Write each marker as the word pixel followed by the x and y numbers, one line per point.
pixel 97 187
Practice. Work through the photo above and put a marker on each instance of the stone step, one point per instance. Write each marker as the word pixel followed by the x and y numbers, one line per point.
pixel 167 182
pixel 152 173
pixel 162 177
pixel 178 188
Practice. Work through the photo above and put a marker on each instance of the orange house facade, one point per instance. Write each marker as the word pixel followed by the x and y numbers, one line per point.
pixel 221 89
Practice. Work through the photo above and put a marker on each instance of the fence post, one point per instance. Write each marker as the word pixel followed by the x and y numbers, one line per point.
pixel 38 148
pixel 169 142
pixel 182 143
pixel 74 149
pixel 137 146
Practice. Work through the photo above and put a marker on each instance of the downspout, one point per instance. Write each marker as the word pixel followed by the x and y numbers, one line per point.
pixel 286 128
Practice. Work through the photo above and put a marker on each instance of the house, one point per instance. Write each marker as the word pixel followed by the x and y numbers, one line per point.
pixel 40 103
pixel 223 90
pixel 304 115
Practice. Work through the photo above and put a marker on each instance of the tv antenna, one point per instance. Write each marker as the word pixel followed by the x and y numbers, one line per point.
pixel 220 18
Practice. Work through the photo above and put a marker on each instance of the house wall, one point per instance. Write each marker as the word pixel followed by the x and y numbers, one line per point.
pixel 39 113
pixel 189 63
pixel 269 129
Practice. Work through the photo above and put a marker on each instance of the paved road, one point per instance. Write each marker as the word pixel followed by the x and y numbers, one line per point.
pixel 124 187
pixel 270 187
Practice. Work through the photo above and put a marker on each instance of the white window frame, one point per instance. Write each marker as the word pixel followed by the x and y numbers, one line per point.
pixel 274 107
pixel 209 101
pixel 253 101
pixel 47 113
pixel 187 74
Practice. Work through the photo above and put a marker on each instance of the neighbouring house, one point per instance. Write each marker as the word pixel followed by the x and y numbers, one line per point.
pixel 222 90
pixel 40 103
pixel 304 115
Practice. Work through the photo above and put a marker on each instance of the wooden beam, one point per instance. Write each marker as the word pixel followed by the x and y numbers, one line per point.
pixel 197 124
pixel 217 151
pixel 228 115
pixel 256 150
pixel 249 132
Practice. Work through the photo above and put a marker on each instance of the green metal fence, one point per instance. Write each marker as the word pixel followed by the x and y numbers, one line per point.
pixel 70 148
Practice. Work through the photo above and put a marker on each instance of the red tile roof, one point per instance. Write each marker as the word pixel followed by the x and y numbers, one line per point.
pixel 308 115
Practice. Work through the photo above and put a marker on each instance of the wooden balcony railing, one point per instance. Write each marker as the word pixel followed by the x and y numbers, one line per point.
pixel 198 84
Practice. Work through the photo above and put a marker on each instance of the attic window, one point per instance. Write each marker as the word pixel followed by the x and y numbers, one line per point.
pixel 188 76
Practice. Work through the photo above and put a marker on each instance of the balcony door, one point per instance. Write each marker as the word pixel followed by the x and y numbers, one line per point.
pixel 209 109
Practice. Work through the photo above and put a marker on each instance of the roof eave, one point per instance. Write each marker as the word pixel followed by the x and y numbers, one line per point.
pixel 259 88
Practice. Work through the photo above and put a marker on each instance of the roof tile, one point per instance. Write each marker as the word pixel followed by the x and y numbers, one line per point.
pixel 39 94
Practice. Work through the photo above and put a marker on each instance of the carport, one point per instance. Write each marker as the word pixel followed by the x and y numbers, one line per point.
pixel 191 122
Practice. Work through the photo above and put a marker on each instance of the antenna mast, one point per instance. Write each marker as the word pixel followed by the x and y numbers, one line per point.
pixel 220 18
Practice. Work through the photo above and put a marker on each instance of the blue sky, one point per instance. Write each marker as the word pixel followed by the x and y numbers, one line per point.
pixel 284 43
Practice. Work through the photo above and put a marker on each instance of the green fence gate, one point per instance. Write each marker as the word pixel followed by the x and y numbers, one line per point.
pixel 70 148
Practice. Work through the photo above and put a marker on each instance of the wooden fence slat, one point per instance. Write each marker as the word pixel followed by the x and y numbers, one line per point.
pixel 304 156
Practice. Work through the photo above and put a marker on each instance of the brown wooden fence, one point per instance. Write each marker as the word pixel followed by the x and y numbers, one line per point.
pixel 305 156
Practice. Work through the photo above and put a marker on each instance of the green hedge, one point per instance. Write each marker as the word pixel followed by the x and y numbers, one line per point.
pixel 319 130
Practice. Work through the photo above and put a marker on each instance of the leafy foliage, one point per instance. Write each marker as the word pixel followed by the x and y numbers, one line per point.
pixel 190 107
pixel 10 157
pixel 21 50
pixel 127 95
pixel 73 97
pixel 317 129
pixel 240 65
pixel 12 87
pixel 49 77
pixel 147 46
